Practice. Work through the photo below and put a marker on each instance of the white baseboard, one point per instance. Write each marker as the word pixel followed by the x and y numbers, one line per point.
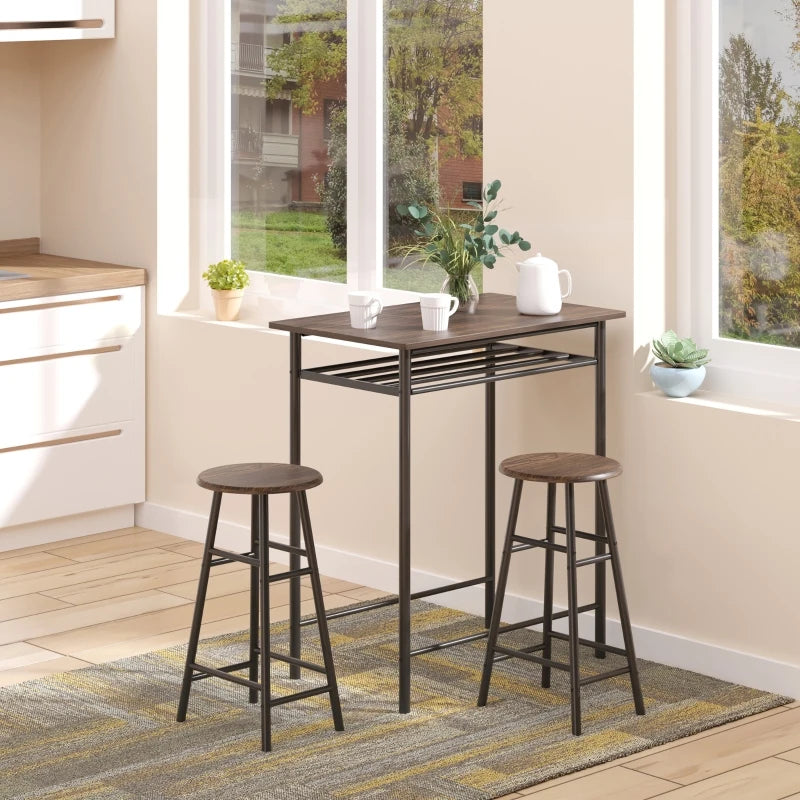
pixel 62 528
pixel 747 669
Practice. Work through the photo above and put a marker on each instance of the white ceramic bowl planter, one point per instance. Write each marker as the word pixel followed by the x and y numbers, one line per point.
pixel 681 369
pixel 677 382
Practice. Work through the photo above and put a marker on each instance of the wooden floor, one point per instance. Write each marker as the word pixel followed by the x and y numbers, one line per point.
pixel 99 598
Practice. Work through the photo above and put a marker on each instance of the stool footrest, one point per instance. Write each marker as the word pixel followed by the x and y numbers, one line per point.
pixel 598 559
pixel 581 534
pixel 224 673
pixel 559 548
pixel 292 573
pixel 529 656
pixel 603 675
pixel 529 623
pixel 298 662
pixel 287 548
pixel 290 698
pixel 618 651
pixel 532 649
pixel 227 556
pixel 473 637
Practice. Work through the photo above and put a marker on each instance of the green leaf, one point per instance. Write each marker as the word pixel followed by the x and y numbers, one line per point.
pixel 491 229
pixel 524 246
pixel 490 216
pixel 414 211
pixel 505 236
pixel 402 210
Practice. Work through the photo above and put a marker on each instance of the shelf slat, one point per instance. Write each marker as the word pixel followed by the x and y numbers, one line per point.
pixel 434 372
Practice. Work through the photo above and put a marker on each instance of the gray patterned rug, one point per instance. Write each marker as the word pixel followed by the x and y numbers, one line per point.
pixel 110 732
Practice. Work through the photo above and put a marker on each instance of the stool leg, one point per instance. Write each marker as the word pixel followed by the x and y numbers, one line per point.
pixel 500 592
pixel 263 600
pixel 199 603
pixel 622 603
pixel 254 598
pixel 319 608
pixel 572 592
pixel 547 627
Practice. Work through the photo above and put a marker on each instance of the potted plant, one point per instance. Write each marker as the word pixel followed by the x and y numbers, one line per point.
pixel 460 247
pixel 227 280
pixel 681 369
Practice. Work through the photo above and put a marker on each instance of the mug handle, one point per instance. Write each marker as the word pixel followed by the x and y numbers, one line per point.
pixel 371 303
pixel 569 283
pixel 454 306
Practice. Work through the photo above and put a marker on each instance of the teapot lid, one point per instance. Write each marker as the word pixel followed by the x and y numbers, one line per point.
pixel 537 261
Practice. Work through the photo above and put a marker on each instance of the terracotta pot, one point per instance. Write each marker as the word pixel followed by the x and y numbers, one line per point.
pixel 227 303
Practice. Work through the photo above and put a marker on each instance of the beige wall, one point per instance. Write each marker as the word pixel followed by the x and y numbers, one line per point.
pixel 705 507
pixel 19 140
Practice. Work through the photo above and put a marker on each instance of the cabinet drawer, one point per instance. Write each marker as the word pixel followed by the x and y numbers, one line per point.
pixel 62 391
pixel 68 321
pixel 73 476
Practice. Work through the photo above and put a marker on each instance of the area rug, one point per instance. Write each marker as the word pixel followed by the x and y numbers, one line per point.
pixel 110 732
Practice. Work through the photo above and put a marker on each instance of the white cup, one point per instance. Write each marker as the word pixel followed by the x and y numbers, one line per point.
pixel 364 309
pixel 436 310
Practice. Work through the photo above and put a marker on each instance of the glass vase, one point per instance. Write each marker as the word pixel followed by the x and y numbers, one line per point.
pixel 465 289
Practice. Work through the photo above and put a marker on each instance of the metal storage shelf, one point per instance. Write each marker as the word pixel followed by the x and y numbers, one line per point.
pixel 434 372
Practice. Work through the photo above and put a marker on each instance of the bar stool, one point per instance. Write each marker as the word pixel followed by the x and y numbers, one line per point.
pixel 569 469
pixel 260 481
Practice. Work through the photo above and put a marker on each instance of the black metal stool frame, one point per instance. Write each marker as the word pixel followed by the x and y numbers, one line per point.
pixel 515 543
pixel 260 580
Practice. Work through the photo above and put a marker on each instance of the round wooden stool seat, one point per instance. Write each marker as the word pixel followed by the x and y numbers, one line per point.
pixel 259 478
pixel 560 467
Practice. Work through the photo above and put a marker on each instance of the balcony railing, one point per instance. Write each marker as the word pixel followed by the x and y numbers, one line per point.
pixel 250 59
pixel 271 149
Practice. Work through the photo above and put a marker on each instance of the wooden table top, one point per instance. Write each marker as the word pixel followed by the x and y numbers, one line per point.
pixel 400 327
pixel 49 275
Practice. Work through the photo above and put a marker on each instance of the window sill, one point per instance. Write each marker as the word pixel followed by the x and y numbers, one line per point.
pixel 727 403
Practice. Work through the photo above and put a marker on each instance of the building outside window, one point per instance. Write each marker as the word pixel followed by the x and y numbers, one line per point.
pixel 290 119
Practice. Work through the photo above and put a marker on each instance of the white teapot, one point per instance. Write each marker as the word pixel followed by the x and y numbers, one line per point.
pixel 539 288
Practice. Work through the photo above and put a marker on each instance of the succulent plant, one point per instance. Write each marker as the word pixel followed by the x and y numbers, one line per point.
pixel 680 353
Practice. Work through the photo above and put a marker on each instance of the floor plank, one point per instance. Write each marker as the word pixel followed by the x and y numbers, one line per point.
pixel 31 672
pixel 33 562
pixel 75 574
pixel 66 619
pixel 730 749
pixel 792 755
pixel 769 779
pixel 52 547
pixel 616 783
pixel 220 585
pixel 141 581
pixel 20 654
pixel 28 604
pixel 129 543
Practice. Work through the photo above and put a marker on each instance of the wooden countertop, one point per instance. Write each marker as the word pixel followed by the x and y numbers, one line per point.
pixel 55 275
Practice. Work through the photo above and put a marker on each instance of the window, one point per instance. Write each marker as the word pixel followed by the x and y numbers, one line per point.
pixel 740 98
pixel 329 125
pixel 471 190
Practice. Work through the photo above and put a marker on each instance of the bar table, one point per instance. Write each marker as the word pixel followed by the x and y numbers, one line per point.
pixel 477 349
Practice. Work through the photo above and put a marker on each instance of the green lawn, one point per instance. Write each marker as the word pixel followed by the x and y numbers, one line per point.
pixel 297 243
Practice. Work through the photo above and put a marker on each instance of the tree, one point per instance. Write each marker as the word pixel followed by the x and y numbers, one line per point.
pixel 747 85
pixel 433 70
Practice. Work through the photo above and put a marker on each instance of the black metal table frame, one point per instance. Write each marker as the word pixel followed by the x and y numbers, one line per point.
pixel 418 371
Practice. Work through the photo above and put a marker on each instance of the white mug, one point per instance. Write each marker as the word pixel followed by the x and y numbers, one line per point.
pixel 436 310
pixel 539 288
pixel 364 309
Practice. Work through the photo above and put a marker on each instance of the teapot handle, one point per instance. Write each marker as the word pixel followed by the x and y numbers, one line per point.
pixel 569 283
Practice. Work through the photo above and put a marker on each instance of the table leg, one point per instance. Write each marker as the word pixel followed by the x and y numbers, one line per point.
pixel 489 503
pixel 404 577
pixel 295 361
pixel 600 449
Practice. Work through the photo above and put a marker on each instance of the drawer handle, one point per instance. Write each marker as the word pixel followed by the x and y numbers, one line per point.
pixel 62 304
pixel 52 356
pixel 86 437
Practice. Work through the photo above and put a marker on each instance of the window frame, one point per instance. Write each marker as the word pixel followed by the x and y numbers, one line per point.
pixel 365 166
pixel 763 372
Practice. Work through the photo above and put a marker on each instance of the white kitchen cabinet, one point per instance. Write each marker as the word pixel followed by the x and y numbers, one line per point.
pixel 43 20
pixel 71 404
